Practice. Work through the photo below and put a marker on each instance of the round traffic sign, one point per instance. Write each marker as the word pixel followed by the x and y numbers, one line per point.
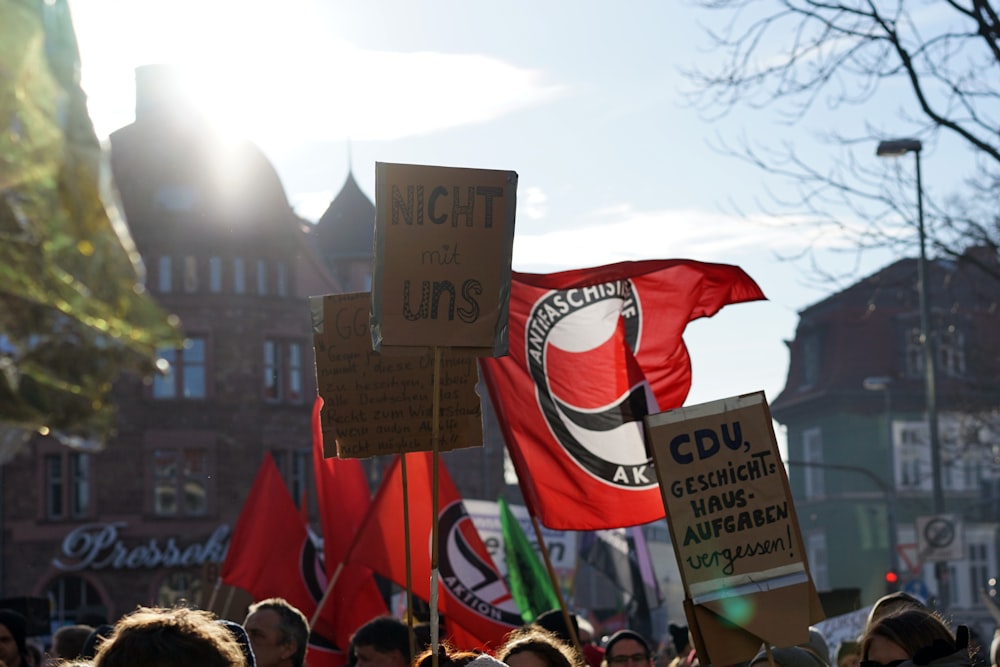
pixel 939 532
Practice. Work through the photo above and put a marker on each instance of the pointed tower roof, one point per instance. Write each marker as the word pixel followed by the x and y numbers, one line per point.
pixel 347 229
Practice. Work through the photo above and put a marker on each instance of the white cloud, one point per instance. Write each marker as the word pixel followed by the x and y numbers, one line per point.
pixel 622 234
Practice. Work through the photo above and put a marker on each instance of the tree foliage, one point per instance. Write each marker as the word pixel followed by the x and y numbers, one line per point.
pixel 928 69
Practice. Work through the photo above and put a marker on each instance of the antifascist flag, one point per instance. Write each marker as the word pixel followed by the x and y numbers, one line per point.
pixel 271 555
pixel 592 351
pixel 343 497
pixel 471 593
pixel 529 581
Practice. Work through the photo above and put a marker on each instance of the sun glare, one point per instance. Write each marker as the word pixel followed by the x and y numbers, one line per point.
pixel 279 76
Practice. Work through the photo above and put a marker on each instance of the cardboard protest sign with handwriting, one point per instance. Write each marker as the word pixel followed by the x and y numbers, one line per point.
pixel 443 243
pixel 381 403
pixel 733 526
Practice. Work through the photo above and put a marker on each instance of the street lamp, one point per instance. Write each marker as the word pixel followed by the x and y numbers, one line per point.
pixel 896 148
pixel 881 383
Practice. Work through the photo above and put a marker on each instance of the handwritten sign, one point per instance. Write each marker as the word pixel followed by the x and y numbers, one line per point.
pixel 443 243
pixel 381 403
pixel 733 525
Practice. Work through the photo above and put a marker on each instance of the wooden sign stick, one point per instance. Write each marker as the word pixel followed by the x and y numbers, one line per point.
pixel 435 447
pixel 570 628
pixel 409 573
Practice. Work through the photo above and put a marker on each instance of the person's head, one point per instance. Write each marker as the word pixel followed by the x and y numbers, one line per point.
pixel 585 631
pixel 68 641
pixel 627 648
pixel 553 621
pixel 382 642
pixel 278 633
pixel 902 635
pixel 13 633
pixel 94 640
pixel 532 646
pixel 890 604
pixel 818 645
pixel 177 637
pixel 792 656
pixel 448 656
pixel 849 654
pixel 679 636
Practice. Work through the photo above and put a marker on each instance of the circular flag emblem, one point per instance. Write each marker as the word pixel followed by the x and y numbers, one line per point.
pixel 579 346
pixel 467 571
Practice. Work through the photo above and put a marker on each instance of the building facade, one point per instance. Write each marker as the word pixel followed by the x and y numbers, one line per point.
pixel 146 520
pixel 859 455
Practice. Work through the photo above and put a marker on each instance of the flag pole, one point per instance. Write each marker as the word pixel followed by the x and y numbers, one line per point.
pixel 435 435
pixel 409 571
pixel 326 594
pixel 215 593
pixel 570 628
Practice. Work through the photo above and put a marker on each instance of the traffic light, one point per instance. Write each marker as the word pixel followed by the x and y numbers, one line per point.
pixel 891 581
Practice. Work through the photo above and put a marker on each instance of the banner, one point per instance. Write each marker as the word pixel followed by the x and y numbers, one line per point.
pixel 443 243
pixel 591 352
pixel 733 527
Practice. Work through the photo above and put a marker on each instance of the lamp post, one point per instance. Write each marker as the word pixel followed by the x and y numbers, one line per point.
pixel 881 383
pixel 896 148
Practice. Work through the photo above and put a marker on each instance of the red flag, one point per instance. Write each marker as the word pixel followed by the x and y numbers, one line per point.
pixel 471 594
pixel 270 555
pixel 591 352
pixel 343 495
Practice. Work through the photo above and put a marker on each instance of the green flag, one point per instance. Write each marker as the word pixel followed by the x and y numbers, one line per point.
pixel 529 582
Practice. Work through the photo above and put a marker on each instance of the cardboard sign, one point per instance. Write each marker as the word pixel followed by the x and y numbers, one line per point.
pixel 381 403
pixel 443 243
pixel 733 526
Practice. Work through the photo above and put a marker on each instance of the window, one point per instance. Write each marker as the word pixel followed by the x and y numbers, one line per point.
pixel 239 276
pixel 272 370
pixel 294 465
pixel 816 553
pixel 261 277
pixel 914 351
pixel 180 482
pixel 180 588
pixel 186 377
pixel 283 371
pixel 215 274
pixel 810 359
pixel 951 352
pixel 282 279
pixel 812 453
pixel 190 274
pixel 914 457
pixel 67 485
pixel 70 597
pixel 165 281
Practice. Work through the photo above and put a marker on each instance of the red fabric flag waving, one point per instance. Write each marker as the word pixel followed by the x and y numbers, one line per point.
pixel 343 495
pixel 472 594
pixel 591 352
pixel 270 555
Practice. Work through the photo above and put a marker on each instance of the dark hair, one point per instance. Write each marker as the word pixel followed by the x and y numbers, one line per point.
pixel 385 634
pixel 911 630
pixel 448 656
pixel 69 640
pixel 544 644
pixel 178 637
pixel 553 621
pixel 892 603
pixel 626 634
pixel 292 623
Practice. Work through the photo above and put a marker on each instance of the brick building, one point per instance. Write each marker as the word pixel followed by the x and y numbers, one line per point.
pixel 147 519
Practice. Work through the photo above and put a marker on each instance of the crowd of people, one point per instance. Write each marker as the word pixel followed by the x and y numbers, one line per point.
pixel 900 632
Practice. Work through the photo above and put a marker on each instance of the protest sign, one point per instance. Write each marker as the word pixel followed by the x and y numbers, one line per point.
pixel 733 527
pixel 381 403
pixel 443 243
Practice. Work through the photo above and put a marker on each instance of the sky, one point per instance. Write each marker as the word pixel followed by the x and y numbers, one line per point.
pixel 585 100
